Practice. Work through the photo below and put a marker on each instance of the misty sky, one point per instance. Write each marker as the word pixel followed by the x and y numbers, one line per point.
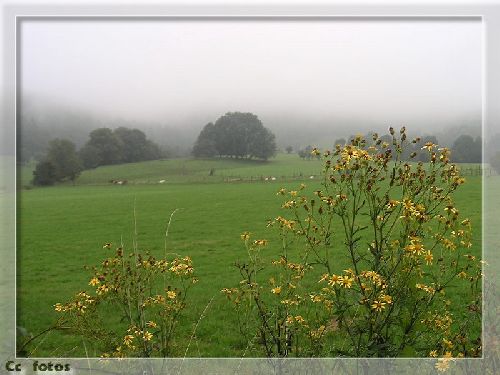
pixel 384 70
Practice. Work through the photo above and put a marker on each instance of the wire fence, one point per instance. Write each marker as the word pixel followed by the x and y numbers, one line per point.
pixel 474 171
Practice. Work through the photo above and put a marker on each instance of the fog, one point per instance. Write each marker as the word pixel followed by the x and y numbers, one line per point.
pixel 300 75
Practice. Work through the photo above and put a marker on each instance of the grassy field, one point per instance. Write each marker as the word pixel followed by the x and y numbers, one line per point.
pixel 63 228
pixel 192 170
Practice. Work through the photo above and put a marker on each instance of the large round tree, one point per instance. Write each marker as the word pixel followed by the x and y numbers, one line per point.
pixel 236 134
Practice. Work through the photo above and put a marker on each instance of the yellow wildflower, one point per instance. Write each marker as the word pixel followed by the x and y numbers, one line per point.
pixel 386 298
pixel 448 355
pixel 260 242
pixel 334 279
pixel 147 336
pixel 127 340
pixel 346 281
pixel 448 343
pixel 102 289
pixel 392 203
pixel 442 365
pixel 171 294
pixel 276 290
pixel 316 298
pixel 245 236
pixel 428 257
pixel 300 319
pixel 94 281
pixel 151 324
pixel 428 146
pixel 378 305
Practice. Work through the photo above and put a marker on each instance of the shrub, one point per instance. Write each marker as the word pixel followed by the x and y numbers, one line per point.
pixel 148 293
pixel 395 225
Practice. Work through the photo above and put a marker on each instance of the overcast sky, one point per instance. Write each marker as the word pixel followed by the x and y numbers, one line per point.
pixel 389 71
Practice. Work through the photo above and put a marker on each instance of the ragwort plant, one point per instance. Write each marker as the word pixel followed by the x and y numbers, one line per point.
pixel 147 294
pixel 395 224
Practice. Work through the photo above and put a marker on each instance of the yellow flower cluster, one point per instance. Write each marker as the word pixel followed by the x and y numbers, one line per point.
pixel 101 289
pixel 413 211
pixel 182 267
pixel 296 319
pixel 375 278
pixel 442 364
pixel 415 247
pixel 441 322
pixel 81 302
pixel 276 290
pixel 284 223
pixel 392 204
pixel 260 242
pixel 291 302
pixel 428 146
pixel 318 333
pixel 444 155
pixel 428 289
pixel 289 204
pixel 342 280
pixel 129 339
pixel 350 152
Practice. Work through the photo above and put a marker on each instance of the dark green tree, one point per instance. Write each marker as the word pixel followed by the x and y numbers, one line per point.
pixel 62 154
pixel 204 146
pixel 44 174
pixel 262 144
pixel 236 134
pixel 466 149
pixel 135 146
pixel 89 156
pixel 106 146
pixel 289 149
pixel 306 153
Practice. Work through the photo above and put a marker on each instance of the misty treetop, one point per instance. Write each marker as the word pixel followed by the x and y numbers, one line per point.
pixel 236 134
pixel 121 145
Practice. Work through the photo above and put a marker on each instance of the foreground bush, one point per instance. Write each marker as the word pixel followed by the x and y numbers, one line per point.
pixel 405 244
pixel 145 296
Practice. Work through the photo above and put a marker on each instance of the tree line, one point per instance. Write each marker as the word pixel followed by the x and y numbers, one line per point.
pixel 465 149
pixel 104 147
pixel 235 135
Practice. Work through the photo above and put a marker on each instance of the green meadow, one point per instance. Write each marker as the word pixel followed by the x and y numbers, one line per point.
pixel 63 228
